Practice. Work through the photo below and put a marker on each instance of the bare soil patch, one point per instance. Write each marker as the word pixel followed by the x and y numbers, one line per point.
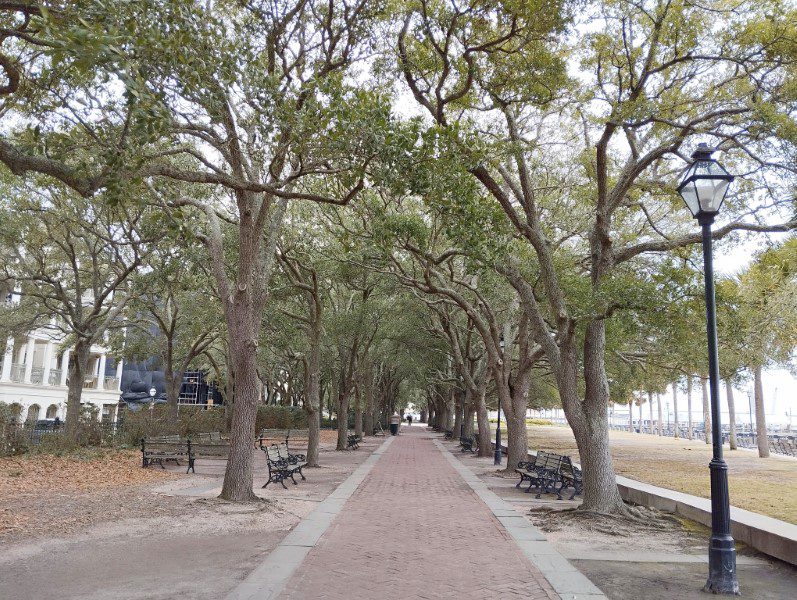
pixel 766 486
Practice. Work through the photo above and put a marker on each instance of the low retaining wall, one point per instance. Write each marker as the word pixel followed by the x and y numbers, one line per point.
pixel 765 534
pixel 770 536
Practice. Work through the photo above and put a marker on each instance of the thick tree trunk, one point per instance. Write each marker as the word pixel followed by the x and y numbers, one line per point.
pixel 312 398
pixel 174 381
pixel 238 476
pixel 517 440
pixel 343 417
pixel 676 432
pixel 483 424
pixel 762 439
pixel 368 418
pixel 470 410
pixel 590 426
pixel 78 366
pixel 690 429
pixel 358 415
pixel 706 411
pixel 458 410
pixel 731 415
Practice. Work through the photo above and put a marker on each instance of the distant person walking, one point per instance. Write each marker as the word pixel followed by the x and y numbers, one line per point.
pixel 409 420
pixel 395 420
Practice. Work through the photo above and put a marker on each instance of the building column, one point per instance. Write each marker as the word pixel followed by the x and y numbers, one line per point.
pixel 30 350
pixel 119 366
pixel 65 366
pixel 101 374
pixel 8 359
pixel 21 354
pixel 48 359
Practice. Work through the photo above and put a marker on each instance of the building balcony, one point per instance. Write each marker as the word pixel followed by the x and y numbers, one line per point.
pixel 17 373
pixel 55 377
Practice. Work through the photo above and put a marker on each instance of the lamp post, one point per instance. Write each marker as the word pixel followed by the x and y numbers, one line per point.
pixel 497 456
pixel 703 189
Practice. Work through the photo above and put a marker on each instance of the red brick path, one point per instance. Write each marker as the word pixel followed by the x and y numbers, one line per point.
pixel 414 529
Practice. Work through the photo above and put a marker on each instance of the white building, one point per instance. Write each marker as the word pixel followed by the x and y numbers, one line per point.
pixel 34 373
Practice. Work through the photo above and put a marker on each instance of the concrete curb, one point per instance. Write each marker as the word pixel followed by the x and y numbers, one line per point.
pixel 566 580
pixel 269 578
pixel 765 534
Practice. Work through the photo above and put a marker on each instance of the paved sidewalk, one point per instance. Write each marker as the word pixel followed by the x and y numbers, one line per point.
pixel 415 529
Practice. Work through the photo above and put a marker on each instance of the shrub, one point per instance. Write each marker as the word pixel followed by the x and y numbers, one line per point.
pixel 280 417
pixel 158 421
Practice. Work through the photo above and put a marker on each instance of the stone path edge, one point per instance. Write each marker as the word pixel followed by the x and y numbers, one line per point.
pixel 269 578
pixel 566 580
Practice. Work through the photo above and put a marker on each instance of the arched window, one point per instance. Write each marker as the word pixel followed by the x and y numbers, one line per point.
pixel 52 411
pixel 33 413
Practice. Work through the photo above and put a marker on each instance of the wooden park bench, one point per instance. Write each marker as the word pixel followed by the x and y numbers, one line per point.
pixel 210 436
pixel 218 450
pixel 353 441
pixel 545 472
pixel 156 450
pixel 269 436
pixel 467 443
pixel 570 477
pixel 281 464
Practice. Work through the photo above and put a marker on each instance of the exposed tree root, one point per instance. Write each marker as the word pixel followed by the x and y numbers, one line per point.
pixel 253 505
pixel 626 522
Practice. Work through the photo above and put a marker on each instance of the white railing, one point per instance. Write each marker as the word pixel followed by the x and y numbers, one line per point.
pixel 55 377
pixel 111 383
pixel 37 375
pixel 18 373
pixel 90 383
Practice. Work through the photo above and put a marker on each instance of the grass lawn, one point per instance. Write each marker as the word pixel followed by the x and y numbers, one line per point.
pixel 766 486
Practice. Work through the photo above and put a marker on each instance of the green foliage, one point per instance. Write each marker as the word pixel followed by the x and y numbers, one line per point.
pixel 280 417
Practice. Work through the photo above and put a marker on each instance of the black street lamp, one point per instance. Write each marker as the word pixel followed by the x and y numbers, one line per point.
pixel 497 457
pixel 703 189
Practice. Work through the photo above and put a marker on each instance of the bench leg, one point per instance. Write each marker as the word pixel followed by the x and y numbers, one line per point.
pixel 293 480
pixel 190 466
pixel 302 474
pixel 282 481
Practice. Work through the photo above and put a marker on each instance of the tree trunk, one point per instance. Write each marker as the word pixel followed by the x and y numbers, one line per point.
pixel 690 430
pixel 343 415
pixel 590 426
pixel 706 412
pixel 517 442
pixel 78 365
pixel 312 396
pixel 458 410
pixel 174 381
pixel 368 418
pixel 470 410
pixel 660 424
pixel 650 410
pixel 483 424
pixel 631 414
pixel 640 415
pixel 358 414
pixel 762 439
pixel 731 415
pixel 676 433
pixel 238 476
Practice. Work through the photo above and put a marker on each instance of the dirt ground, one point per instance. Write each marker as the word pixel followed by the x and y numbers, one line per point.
pixel 766 486
pixel 103 527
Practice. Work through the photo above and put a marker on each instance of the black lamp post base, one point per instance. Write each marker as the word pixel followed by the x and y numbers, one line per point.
pixel 722 568
pixel 497 458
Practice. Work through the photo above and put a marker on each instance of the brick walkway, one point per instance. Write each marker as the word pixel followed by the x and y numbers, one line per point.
pixel 414 529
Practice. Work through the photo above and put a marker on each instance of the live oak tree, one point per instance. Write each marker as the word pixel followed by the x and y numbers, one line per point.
pixel 73 264
pixel 586 181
